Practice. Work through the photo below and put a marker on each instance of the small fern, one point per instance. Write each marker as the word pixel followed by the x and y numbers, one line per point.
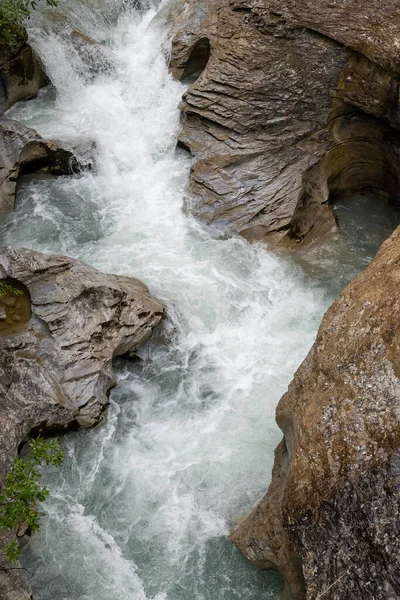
pixel 6 289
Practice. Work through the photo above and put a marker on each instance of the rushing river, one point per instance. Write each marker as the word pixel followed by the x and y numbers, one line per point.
pixel 142 506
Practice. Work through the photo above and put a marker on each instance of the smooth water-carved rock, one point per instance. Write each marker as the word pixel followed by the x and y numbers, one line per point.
pixel 277 81
pixel 330 519
pixel 23 150
pixel 21 74
pixel 57 343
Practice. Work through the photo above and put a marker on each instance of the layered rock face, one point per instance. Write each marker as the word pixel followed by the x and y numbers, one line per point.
pixel 57 342
pixel 331 514
pixel 294 102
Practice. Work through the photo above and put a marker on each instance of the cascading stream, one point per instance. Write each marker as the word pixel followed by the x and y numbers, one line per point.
pixel 142 506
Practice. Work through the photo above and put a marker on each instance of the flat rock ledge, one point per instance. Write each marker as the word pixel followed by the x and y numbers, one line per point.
pixel 57 343
pixel 330 519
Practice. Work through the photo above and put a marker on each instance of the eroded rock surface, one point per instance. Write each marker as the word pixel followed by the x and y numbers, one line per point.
pixel 57 342
pixel 270 119
pixel 21 74
pixel 23 150
pixel 330 518
pixel 80 319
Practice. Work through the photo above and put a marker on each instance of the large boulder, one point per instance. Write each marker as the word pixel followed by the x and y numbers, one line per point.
pixel 329 521
pixel 290 104
pixel 59 338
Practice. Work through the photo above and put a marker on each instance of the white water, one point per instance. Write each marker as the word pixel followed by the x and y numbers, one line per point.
pixel 141 508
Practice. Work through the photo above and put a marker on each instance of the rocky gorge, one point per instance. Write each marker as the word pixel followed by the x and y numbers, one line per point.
pixel 294 104
pixel 289 105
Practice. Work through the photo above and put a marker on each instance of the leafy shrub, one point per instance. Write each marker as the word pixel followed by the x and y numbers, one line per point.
pixel 12 16
pixel 22 492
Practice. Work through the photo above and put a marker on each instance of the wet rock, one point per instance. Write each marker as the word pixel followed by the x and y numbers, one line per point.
pixel 23 150
pixel 88 56
pixel 329 521
pixel 272 83
pixel 80 319
pixel 56 370
pixel 21 74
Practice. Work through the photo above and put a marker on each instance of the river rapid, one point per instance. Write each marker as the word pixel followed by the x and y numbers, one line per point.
pixel 142 506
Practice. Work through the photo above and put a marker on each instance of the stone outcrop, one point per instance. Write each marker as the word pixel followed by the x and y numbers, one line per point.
pixel 76 320
pixel 57 342
pixel 21 74
pixel 330 519
pixel 23 150
pixel 291 103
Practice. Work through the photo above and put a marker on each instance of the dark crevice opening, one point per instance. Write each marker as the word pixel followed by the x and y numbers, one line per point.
pixel 15 306
pixel 198 59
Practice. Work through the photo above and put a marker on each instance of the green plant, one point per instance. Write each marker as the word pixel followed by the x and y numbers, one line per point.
pixel 12 16
pixel 22 491
pixel 6 289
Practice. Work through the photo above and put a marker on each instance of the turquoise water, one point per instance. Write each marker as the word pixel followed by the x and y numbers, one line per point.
pixel 142 506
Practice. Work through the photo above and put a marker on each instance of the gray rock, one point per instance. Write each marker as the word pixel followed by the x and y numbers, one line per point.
pixel 278 86
pixel 23 150
pixel 56 362
pixel 21 73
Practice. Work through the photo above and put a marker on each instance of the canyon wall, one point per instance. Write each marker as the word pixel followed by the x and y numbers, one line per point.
pixel 331 515
pixel 290 103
